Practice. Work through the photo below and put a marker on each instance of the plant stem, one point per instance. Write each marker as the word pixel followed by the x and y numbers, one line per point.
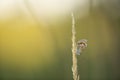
pixel 74 56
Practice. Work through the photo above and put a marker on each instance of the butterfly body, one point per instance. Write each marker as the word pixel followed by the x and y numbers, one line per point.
pixel 81 45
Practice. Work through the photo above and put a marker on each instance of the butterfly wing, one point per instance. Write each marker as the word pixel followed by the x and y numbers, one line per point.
pixel 78 51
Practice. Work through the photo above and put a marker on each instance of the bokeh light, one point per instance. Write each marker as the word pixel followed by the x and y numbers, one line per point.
pixel 35 39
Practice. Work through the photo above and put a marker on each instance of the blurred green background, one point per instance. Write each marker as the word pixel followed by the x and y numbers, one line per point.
pixel 33 48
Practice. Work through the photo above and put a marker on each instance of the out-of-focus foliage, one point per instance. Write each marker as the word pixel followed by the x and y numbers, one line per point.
pixel 33 48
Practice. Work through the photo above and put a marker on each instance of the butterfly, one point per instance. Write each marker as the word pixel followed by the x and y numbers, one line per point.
pixel 80 46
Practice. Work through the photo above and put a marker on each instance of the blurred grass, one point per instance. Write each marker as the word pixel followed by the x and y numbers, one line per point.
pixel 31 51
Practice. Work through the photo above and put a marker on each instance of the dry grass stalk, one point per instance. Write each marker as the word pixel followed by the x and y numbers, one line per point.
pixel 74 56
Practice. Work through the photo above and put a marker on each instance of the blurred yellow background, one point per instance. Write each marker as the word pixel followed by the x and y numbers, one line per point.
pixel 38 47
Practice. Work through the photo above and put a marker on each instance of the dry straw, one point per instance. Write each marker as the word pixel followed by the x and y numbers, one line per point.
pixel 77 48
pixel 74 56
